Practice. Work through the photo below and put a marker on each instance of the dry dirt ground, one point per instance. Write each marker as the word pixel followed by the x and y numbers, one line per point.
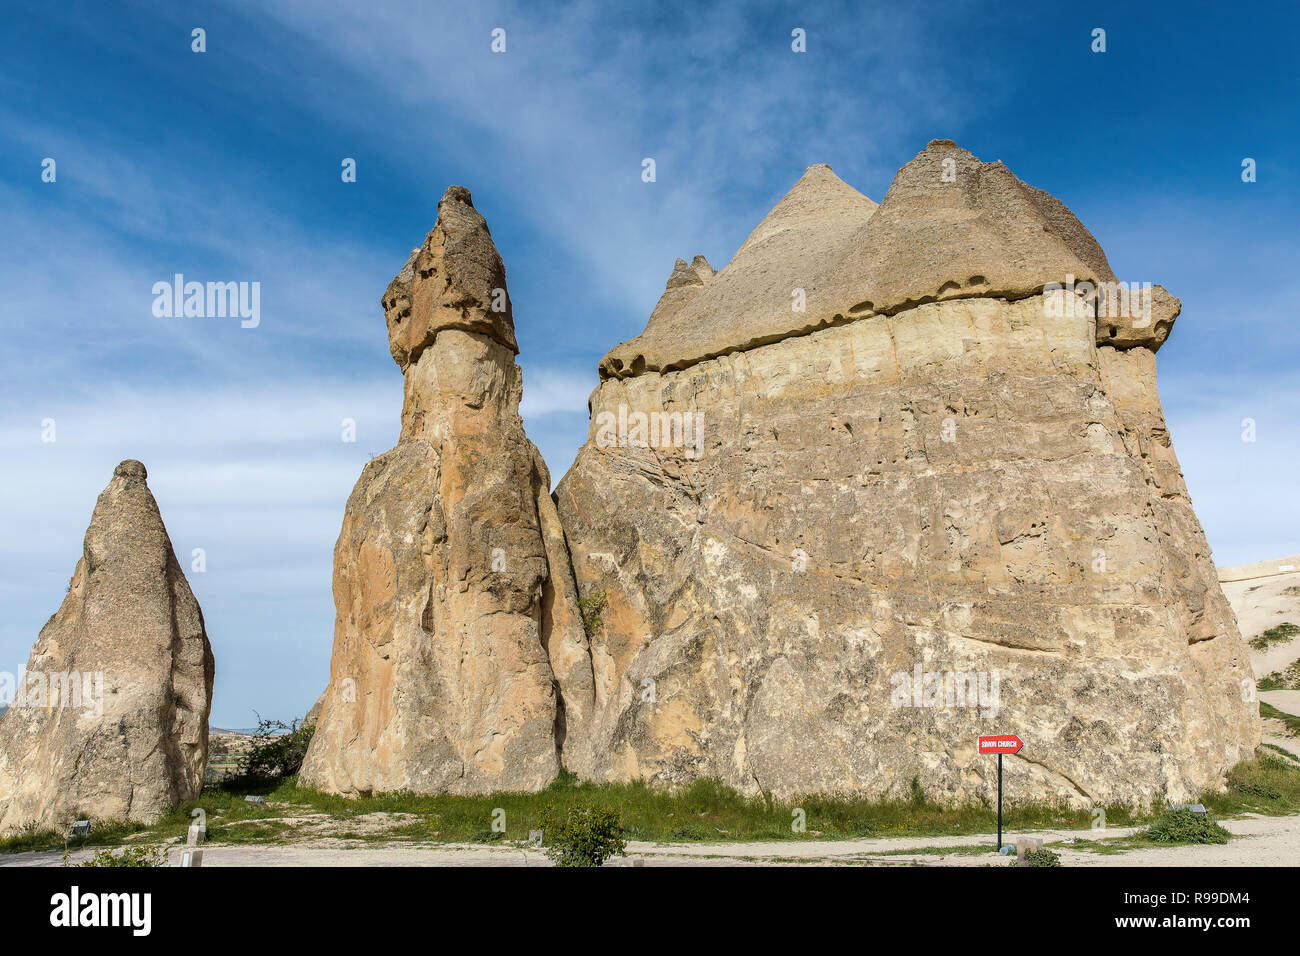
pixel 1258 841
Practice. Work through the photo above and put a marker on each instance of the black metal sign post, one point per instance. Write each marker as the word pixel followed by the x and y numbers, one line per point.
pixel 999 845
pixel 1000 744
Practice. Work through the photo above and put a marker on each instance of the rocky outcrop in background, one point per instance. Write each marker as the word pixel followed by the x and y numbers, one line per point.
pixel 110 720
pixel 895 477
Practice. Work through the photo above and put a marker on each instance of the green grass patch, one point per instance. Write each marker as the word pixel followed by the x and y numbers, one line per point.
pixel 1268 711
pixel 32 838
pixel 977 849
pixel 251 831
pixel 1288 679
pixel 1268 785
pixel 704 811
pixel 1112 847
pixel 1275 751
pixel 1275 635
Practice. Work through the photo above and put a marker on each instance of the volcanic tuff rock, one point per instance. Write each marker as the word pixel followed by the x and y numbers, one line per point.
pixel 460 661
pixel 950 227
pixel 928 473
pixel 119 684
pixel 932 472
pixel 313 715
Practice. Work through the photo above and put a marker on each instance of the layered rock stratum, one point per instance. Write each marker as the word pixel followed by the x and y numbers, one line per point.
pixel 894 477
pixel 460 661
pixel 110 719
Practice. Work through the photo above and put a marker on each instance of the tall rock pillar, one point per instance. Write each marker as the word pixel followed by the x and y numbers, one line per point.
pixel 110 719
pixel 460 662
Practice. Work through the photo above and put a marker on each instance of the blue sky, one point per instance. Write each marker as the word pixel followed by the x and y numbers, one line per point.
pixel 225 166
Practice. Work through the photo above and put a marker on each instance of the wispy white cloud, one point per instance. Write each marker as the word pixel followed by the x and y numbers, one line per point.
pixel 240 428
pixel 564 118
pixel 256 478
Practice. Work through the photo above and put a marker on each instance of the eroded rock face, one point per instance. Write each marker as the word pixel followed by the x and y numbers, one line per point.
pixel 460 662
pixel 862 495
pixel 111 718
pixel 929 479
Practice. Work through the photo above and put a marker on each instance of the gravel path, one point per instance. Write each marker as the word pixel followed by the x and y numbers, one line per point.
pixel 1260 841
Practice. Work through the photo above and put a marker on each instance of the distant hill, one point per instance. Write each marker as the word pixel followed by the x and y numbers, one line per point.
pixel 1265 596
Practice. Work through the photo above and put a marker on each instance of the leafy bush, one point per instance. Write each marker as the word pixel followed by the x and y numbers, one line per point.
pixel 277 751
pixel 591 607
pixel 130 856
pixel 1042 857
pixel 583 835
pixel 1184 826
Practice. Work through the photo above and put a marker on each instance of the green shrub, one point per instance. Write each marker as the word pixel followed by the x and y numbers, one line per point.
pixel 142 855
pixel 277 751
pixel 1042 857
pixel 1184 826
pixel 591 607
pixel 582 835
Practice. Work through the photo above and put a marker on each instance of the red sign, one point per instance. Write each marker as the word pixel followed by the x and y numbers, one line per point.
pixel 1001 744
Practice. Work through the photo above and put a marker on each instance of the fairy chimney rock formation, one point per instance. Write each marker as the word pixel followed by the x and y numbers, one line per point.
pixel 894 477
pixel 929 494
pixel 110 718
pixel 460 660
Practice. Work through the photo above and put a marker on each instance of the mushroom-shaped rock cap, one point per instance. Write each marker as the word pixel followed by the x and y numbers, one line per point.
pixel 949 227
pixel 130 468
pixel 749 301
pixel 455 280
pixel 954 227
